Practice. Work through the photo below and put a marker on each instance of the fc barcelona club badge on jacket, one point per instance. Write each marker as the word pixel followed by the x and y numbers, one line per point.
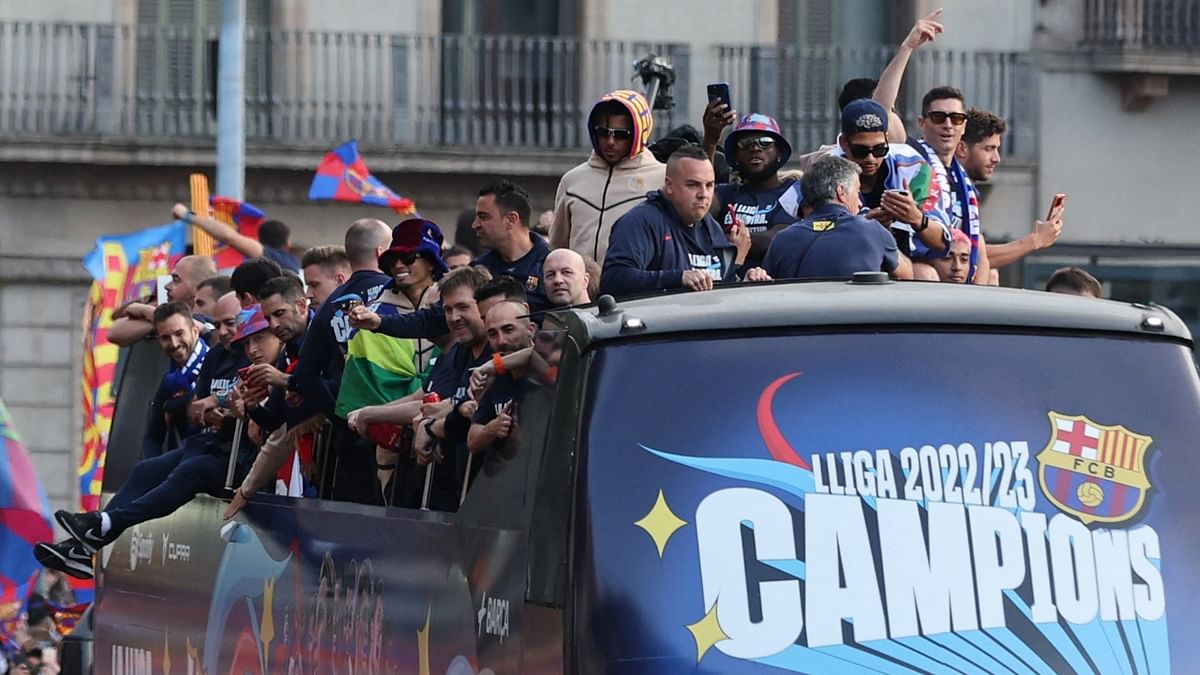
pixel 531 283
pixel 1094 472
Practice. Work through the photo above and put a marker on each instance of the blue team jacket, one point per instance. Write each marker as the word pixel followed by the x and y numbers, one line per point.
pixel 649 249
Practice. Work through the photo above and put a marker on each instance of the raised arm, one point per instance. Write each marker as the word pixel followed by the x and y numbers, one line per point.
pixel 888 88
pixel 220 231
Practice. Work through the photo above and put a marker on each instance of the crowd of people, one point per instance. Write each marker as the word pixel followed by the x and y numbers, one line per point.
pixel 30 640
pixel 388 369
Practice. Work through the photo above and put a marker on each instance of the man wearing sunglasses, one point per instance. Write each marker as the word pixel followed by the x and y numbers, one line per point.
pixel 757 150
pixel 614 179
pixel 943 120
pixel 895 183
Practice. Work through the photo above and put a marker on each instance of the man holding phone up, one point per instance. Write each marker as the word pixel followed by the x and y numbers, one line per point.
pixel 979 154
pixel 757 150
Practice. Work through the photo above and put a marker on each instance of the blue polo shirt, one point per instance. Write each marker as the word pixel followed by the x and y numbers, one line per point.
pixel 831 243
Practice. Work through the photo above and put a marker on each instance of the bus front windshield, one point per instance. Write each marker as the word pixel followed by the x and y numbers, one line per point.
pixel 855 501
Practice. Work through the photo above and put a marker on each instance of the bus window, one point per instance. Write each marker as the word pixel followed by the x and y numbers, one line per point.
pixel 499 494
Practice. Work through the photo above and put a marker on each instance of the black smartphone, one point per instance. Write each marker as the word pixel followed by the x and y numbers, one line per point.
pixel 719 91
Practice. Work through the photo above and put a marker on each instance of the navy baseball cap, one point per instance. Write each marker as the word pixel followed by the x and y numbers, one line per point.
pixel 864 115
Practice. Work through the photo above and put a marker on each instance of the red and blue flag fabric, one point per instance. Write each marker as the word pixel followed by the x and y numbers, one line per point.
pixel 244 216
pixel 343 177
pixel 24 519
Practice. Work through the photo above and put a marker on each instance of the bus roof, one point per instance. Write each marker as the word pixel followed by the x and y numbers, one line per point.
pixel 854 303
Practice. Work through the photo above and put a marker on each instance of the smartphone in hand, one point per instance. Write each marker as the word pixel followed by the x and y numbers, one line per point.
pixel 719 91
pixel 1059 201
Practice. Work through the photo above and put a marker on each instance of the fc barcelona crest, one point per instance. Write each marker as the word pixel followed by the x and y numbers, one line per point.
pixel 531 283
pixel 1094 472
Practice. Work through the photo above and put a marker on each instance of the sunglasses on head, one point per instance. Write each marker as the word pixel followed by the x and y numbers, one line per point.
pixel 619 134
pixel 956 118
pixel 747 143
pixel 861 151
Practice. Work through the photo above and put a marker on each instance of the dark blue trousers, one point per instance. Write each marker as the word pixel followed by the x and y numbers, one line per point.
pixel 159 485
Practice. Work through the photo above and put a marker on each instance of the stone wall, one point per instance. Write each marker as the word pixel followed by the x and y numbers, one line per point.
pixel 41 310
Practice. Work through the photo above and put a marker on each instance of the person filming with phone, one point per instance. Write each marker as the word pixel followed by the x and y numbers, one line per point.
pixel 979 154
pixel 757 150
pixel 896 186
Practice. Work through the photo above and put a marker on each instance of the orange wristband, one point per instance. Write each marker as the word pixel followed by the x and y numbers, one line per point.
pixel 498 362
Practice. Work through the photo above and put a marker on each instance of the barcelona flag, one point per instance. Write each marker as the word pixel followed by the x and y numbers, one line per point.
pixel 24 519
pixel 245 216
pixel 342 176
pixel 123 267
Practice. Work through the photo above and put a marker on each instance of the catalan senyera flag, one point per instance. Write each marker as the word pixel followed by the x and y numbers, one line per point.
pixel 123 268
pixel 245 216
pixel 24 521
pixel 342 176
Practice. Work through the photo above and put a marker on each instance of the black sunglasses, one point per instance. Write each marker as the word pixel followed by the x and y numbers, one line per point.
pixel 938 116
pixel 619 134
pixel 408 258
pixel 861 151
pixel 747 143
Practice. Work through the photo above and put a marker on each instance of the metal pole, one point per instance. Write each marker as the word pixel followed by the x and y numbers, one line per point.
pixel 231 100
pixel 428 484
pixel 466 479
pixel 233 452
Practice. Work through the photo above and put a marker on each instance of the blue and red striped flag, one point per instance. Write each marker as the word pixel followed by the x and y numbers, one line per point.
pixel 343 177
pixel 244 216
pixel 24 519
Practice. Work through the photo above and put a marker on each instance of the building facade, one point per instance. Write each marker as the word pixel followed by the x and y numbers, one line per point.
pixel 107 106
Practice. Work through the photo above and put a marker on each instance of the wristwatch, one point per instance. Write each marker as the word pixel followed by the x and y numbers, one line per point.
pixel 924 223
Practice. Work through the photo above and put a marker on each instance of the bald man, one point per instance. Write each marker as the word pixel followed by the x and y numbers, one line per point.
pixel 566 276
pixel 225 316
pixel 323 356
pixel 218 375
pixel 135 320
pixel 186 277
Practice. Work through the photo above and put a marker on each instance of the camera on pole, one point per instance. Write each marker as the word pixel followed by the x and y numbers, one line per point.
pixel 658 76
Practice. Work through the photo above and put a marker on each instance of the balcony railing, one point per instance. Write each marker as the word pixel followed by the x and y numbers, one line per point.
pixel 801 86
pixel 85 82
pixel 1154 25
pixel 312 87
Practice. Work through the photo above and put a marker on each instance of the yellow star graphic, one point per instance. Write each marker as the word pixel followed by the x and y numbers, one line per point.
pixel 660 523
pixel 707 632
pixel 266 629
pixel 423 644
